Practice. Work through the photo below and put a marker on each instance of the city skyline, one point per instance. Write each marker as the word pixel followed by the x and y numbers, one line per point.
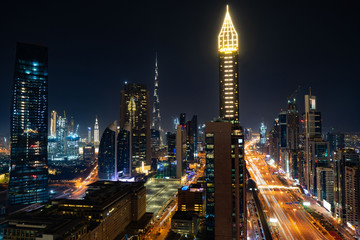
pixel 228 174
pixel 280 48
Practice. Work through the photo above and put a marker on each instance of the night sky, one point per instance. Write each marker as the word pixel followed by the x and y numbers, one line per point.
pixel 94 47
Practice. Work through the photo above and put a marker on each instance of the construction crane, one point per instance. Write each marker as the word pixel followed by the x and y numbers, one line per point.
pixel 292 98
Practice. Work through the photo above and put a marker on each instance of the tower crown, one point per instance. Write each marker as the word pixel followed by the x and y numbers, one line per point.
pixel 228 40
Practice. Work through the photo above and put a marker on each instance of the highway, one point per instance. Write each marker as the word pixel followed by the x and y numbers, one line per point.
pixel 288 219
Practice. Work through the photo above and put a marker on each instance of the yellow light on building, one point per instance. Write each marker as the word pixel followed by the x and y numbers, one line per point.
pixel 228 40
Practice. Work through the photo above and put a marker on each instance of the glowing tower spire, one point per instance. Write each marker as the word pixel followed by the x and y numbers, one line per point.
pixel 228 46
pixel 156 110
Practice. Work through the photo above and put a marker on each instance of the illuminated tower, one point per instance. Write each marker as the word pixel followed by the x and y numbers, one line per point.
pixel 225 164
pixel 53 123
pixel 89 135
pixel 96 132
pixel 156 110
pixel 228 70
pixel 135 111
pixel 29 126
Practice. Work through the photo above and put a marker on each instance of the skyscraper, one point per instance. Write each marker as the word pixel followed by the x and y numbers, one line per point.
pixel 225 164
pixel 53 123
pixel 316 150
pixel 89 135
pixel 29 126
pixel 106 159
pixel 135 111
pixel 156 119
pixel 346 177
pixel 228 47
pixel 225 181
pixel 292 136
pixel 96 132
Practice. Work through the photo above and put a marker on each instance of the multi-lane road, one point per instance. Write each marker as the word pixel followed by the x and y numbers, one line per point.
pixel 287 218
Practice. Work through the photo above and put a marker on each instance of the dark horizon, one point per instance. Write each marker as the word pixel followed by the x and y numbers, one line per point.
pixel 94 49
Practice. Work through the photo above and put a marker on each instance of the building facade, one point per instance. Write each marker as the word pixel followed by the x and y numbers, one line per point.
pixel 135 111
pixel 29 126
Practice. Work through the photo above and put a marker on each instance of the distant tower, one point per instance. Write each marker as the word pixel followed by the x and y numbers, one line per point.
pixel 53 123
pixel 263 134
pixel 156 121
pixel 89 135
pixel 96 132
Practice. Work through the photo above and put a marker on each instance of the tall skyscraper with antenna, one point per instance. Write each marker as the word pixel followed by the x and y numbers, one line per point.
pixel 156 120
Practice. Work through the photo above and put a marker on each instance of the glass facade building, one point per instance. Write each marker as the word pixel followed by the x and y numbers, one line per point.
pixel 29 126
pixel 106 157
pixel 114 153
pixel 135 112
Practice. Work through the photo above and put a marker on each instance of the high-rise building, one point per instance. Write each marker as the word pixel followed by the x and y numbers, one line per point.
pixel 135 111
pixel 336 141
pixel 225 164
pixel 284 154
pixel 343 161
pixel 192 140
pixel 53 122
pixel 29 126
pixel 352 197
pixel 262 134
pixel 171 156
pixel 156 118
pixel 96 132
pixel 312 135
pixel 114 153
pixel 274 142
pixel 228 48
pixel 61 136
pixel 180 151
pixel 89 135
pixel 325 185
pixel 292 135
pixel 225 181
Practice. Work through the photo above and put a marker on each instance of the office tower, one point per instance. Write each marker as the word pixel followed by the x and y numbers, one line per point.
pixel 115 153
pixel 228 44
pixel 181 151
pixel 96 132
pixel 225 164
pixel 61 136
pixel 336 141
pixel 312 127
pixel 192 140
pixel 29 126
pixel 89 135
pixel 171 152
pixel 262 134
pixel 343 160
pixel 225 181
pixel 107 154
pixel 274 142
pixel 53 122
pixel 135 111
pixel 325 186
pixel 292 135
pixel 352 197
pixel 284 154
pixel 155 142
